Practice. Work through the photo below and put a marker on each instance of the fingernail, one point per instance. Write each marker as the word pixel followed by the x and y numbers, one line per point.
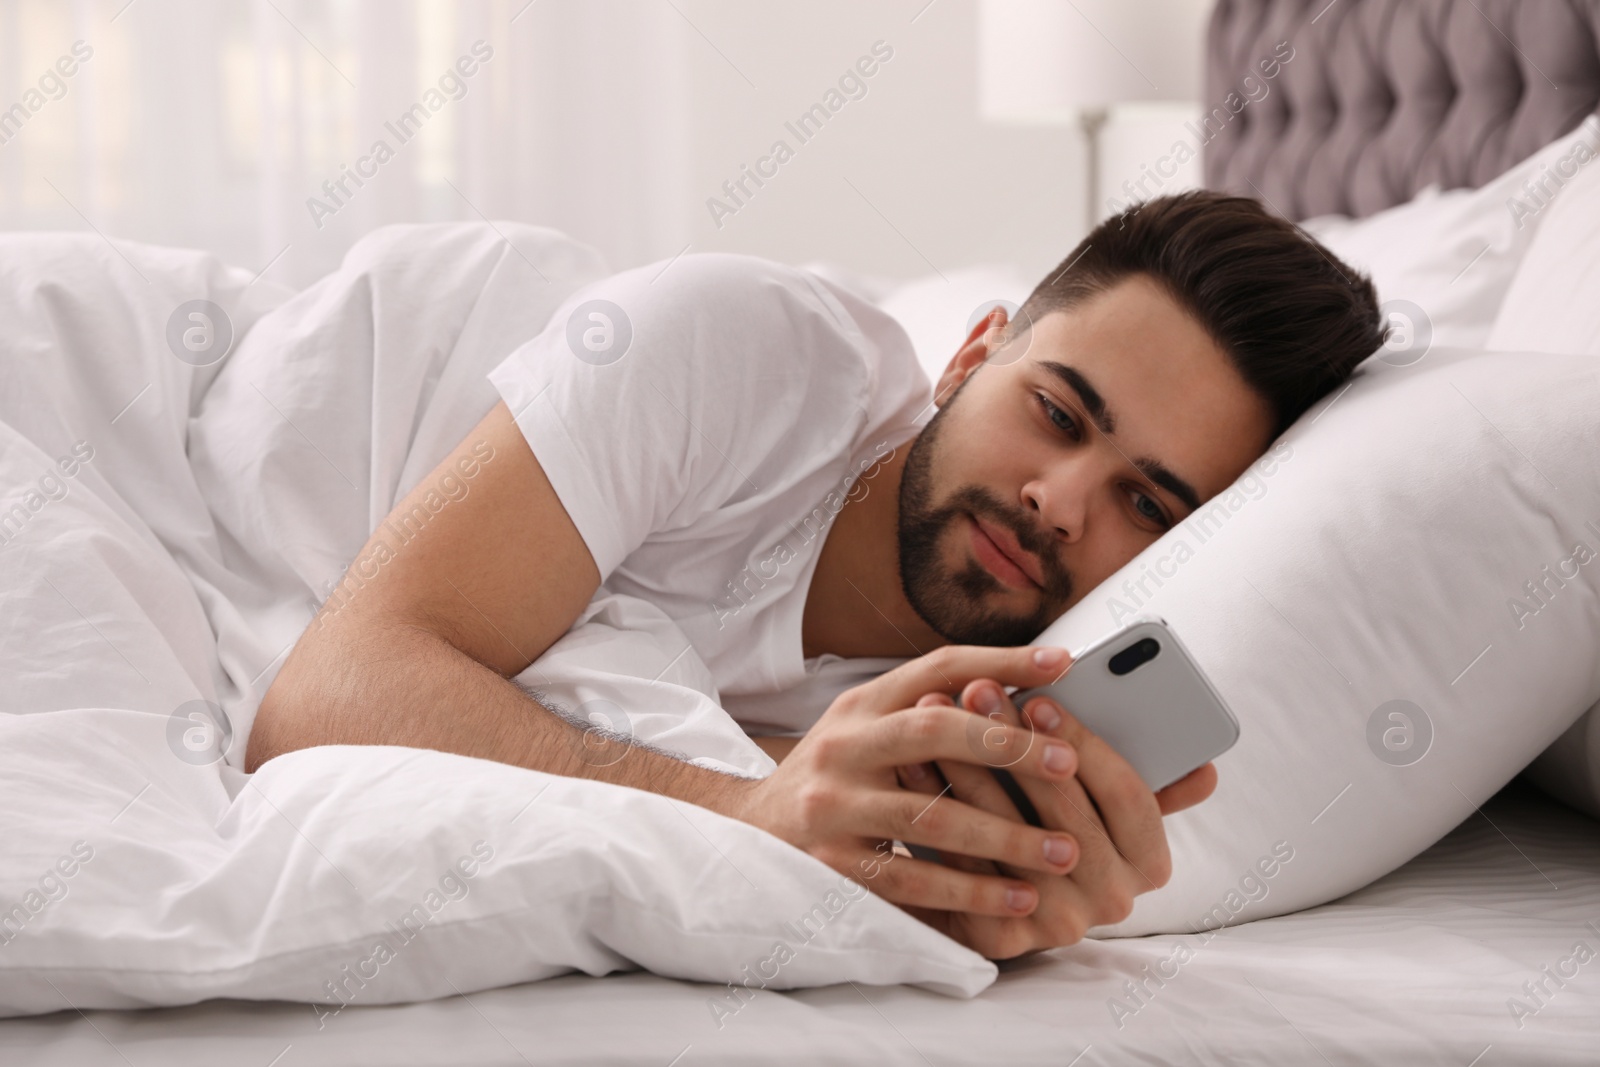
pixel 1018 899
pixel 1049 657
pixel 1057 758
pixel 987 700
pixel 1045 716
pixel 1058 851
pixel 915 772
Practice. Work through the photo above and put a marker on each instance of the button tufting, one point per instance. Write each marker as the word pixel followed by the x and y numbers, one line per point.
pixel 1384 97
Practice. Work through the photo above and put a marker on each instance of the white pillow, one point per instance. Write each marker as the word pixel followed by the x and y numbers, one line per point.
pixel 1552 307
pixel 1443 262
pixel 1569 769
pixel 1368 567
pixel 376 875
pixel 938 311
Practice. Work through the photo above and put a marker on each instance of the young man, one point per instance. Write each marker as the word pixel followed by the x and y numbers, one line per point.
pixel 707 449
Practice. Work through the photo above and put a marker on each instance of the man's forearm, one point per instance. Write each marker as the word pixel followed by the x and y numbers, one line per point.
pixel 404 685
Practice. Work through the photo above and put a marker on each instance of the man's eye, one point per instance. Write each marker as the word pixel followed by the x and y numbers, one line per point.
pixel 1060 419
pixel 1149 509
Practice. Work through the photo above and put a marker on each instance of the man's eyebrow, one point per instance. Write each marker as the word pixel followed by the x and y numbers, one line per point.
pixel 1173 484
pixel 1088 395
pixel 1095 405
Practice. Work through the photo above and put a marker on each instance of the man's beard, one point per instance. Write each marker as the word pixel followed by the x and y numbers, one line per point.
pixel 951 602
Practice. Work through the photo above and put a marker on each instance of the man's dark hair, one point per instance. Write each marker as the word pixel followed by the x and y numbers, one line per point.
pixel 1293 317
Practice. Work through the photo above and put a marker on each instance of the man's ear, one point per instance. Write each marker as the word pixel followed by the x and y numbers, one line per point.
pixel 987 335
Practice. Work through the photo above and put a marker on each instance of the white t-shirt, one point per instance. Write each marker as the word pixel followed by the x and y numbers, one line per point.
pixel 702 429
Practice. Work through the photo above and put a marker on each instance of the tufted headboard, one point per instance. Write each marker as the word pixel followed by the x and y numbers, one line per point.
pixel 1383 97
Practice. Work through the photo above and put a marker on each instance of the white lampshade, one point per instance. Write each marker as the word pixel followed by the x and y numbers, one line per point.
pixel 1050 60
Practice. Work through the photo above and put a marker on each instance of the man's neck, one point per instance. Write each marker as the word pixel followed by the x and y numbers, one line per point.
pixel 855 605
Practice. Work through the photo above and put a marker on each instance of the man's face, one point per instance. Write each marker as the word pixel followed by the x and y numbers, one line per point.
pixel 1062 462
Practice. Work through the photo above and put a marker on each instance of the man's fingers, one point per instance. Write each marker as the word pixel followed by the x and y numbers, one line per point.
pixel 950 826
pixel 948 668
pixel 924 777
pixel 977 786
pixel 1045 715
pixel 973 865
pixel 1189 790
pixel 919 884
pixel 1060 805
pixel 920 778
pixel 931 732
pixel 993 937
pixel 1125 804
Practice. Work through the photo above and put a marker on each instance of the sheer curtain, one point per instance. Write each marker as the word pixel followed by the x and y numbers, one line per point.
pixel 217 125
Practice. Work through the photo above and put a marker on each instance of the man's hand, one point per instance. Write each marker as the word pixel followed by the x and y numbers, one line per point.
pixel 837 796
pixel 1106 806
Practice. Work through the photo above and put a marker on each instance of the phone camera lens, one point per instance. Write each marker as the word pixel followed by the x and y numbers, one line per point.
pixel 1135 656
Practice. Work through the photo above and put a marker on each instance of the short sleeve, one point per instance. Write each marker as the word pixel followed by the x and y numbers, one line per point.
pixel 661 394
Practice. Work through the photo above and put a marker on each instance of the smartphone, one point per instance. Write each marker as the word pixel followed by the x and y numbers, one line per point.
pixel 1142 692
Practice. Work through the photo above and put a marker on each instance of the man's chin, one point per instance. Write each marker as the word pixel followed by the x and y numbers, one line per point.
pixel 995 620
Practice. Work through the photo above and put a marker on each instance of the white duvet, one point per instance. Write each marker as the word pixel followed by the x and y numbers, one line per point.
pixel 166 532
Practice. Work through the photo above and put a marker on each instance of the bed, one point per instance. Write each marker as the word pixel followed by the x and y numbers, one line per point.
pixel 1479 951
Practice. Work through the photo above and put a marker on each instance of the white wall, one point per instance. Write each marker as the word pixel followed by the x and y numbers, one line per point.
pixel 1141 157
pixel 904 181
pixel 210 123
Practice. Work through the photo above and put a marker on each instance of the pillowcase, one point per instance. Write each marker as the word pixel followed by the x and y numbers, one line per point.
pixel 1444 261
pixel 1551 308
pixel 360 875
pixel 1400 601
pixel 1569 769
pixel 939 311
pixel 1551 305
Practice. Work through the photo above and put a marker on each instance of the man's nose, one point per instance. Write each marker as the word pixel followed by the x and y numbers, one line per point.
pixel 1059 497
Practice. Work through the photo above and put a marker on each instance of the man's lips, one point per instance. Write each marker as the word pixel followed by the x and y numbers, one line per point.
pixel 1001 555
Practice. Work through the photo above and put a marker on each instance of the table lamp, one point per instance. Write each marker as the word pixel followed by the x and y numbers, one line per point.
pixel 1057 61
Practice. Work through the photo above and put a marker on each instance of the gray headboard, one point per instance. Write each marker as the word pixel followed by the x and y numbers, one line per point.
pixel 1384 97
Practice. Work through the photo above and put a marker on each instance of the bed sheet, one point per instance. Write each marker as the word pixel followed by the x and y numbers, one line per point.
pixel 1426 966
